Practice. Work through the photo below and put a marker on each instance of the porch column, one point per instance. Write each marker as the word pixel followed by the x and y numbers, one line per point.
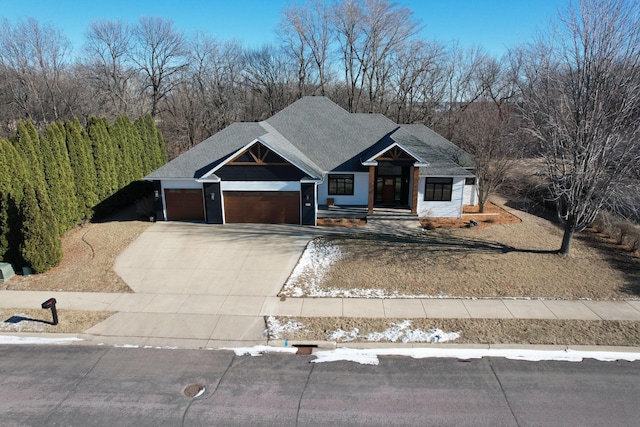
pixel 414 193
pixel 372 183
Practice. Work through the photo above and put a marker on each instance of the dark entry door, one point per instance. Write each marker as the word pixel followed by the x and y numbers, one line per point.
pixel 213 202
pixel 389 190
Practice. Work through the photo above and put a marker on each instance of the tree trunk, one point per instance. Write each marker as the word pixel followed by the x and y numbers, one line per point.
pixel 569 229
pixel 481 204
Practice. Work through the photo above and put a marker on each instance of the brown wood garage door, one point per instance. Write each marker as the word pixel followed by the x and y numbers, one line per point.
pixel 262 207
pixel 184 204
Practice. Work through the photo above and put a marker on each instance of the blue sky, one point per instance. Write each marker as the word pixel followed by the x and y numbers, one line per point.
pixel 492 24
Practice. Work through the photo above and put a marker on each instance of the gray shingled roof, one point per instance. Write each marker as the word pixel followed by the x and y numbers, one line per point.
pixel 439 163
pixel 437 141
pixel 328 134
pixel 210 152
pixel 318 136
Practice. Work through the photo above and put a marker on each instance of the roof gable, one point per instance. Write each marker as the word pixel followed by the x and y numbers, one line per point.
pixel 258 154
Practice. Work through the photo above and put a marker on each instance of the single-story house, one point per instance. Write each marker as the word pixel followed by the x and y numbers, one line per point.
pixel 311 154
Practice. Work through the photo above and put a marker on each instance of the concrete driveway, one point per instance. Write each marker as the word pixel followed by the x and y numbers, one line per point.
pixel 198 259
pixel 199 282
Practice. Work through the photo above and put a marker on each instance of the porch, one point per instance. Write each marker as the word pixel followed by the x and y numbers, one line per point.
pixel 394 220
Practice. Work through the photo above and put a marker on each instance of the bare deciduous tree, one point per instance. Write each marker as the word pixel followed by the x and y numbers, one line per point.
pixel 580 91
pixel 107 46
pixel 160 54
pixel 33 57
pixel 418 82
pixel 306 30
pixel 486 132
pixel 368 32
pixel 269 74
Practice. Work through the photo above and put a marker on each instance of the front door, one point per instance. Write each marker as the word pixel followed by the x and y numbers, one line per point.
pixel 388 190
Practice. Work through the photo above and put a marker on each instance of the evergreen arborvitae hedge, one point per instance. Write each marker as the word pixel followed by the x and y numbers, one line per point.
pixel 13 175
pixel 59 177
pixel 83 168
pixel 104 157
pixel 50 182
pixel 40 245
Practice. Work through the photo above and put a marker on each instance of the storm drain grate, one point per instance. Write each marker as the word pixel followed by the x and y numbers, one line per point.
pixel 305 349
pixel 193 390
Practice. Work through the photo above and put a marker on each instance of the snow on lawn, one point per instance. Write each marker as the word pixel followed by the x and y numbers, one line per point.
pixel 275 328
pixel 308 275
pixel 314 262
pixel 19 322
pixel 398 332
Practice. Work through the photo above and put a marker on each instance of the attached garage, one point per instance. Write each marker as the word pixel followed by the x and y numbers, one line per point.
pixel 262 207
pixel 186 204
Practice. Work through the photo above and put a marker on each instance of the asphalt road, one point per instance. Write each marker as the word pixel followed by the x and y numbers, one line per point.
pixel 85 385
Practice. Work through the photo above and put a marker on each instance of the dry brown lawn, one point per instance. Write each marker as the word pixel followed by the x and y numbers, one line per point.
pixel 89 251
pixel 482 331
pixel 516 259
pixel 38 320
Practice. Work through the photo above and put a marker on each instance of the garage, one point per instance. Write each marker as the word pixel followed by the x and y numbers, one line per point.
pixel 262 207
pixel 184 204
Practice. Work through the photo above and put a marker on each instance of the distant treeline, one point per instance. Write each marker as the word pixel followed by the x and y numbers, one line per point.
pixel 53 180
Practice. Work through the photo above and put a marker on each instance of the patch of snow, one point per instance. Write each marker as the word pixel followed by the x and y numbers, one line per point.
pixel 370 356
pixel 342 336
pixel 403 333
pixel 259 350
pixel 312 266
pixel 275 328
pixel 126 346
pixel 21 325
pixel 398 332
pixel 8 339
pixel 164 347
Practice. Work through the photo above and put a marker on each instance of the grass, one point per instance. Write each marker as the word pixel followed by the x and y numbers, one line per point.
pixel 38 320
pixel 498 259
pixel 483 331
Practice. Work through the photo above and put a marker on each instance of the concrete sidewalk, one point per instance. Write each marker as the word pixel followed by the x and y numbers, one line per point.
pixel 213 321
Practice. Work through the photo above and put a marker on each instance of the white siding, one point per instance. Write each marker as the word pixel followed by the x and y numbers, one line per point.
pixel 470 195
pixel 452 209
pixel 360 191
pixel 260 186
pixel 180 183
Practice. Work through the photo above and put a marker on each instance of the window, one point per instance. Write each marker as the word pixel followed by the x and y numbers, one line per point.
pixel 438 189
pixel 469 181
pixel 341 185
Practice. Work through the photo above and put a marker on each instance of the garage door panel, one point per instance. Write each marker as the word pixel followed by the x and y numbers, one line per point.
pixel 186 204
pixel 268 207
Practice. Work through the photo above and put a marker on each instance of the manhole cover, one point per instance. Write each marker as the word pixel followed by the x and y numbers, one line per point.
pixel 193 390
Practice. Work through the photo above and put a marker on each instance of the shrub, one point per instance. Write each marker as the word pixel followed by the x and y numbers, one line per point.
pixel 629 234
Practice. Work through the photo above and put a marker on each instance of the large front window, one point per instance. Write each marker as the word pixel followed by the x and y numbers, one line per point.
pixel 341 185
pixel 438 189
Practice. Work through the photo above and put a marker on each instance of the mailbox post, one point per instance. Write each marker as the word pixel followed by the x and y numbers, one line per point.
pixel 51 303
